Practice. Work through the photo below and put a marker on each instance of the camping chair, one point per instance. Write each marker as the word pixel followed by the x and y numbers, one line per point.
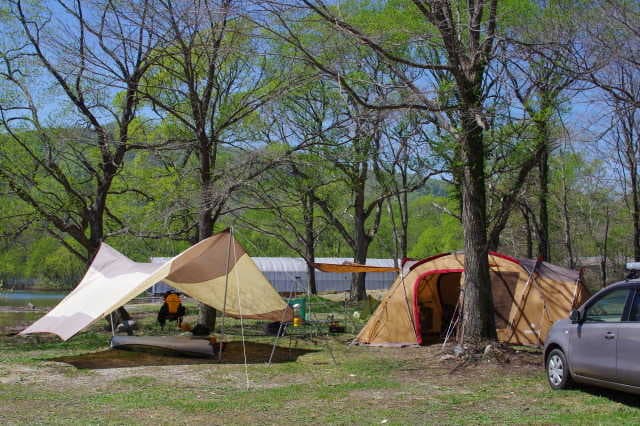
pixel 171 309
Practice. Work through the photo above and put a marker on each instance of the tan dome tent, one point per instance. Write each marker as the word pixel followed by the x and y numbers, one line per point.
pixel 528 296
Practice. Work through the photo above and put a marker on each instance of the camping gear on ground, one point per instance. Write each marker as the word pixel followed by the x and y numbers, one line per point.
pixel 216 271
pixel 200 330
pixel 336 327
pixel 171 309
pixel 126 327
pixel 181 345
pixel 423 305
pixel 275 328
pixel 120 321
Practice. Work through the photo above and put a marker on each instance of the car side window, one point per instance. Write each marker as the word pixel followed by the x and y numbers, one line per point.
pixel 609 308
pixel 634 312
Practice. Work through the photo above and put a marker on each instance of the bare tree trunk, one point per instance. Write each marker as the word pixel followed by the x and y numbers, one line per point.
pixel 358 284
pixel 361 238
pixel 567 225
pixel 311 271
pixel 206 314
pixel 604 254
pixel 528 231
pixel 635 199
pixel 477 320
pixel 404 229
pixel 544 251
pixel 310 239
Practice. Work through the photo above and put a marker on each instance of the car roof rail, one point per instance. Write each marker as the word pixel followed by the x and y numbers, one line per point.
pixel 632 266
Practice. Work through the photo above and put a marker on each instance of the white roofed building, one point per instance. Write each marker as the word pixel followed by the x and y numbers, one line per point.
pixel 289 274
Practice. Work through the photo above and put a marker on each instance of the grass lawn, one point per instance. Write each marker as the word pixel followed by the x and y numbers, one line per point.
pixel 320 381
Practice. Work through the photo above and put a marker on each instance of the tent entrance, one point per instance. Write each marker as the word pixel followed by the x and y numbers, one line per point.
pixel 435 301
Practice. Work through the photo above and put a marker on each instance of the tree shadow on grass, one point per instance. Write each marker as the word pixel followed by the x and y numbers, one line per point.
pixel 628 399
pixel 257 353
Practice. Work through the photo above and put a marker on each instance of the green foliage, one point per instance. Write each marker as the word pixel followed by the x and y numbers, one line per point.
pixel 158 193
pixel 42 261
pixel 437 232
pixel 53 263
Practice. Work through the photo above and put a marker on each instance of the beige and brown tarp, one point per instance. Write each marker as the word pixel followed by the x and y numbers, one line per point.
pixel 216 271
pixel 423 303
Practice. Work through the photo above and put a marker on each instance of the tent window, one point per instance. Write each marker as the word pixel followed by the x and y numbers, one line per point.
pixel 503 286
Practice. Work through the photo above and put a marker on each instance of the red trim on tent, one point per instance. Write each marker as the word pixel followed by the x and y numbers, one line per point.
pixel 504 256
pixel 416 310
pixel 436 256
pixel 427 259
pixel 405 260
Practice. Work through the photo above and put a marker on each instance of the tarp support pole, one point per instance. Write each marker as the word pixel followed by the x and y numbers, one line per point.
pixel 452 324
pixel 224 303
pixel 281 328
pixel 113 330
pixel 244 347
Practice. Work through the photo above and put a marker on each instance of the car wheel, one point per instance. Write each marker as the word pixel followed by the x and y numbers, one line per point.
pixel 558 370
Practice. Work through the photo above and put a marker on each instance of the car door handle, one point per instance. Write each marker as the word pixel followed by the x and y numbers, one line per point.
pixel 610 335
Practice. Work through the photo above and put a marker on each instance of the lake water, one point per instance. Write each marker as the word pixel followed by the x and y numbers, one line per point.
pixel 14 306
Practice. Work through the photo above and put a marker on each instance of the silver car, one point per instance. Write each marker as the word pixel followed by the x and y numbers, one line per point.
pixel 600 342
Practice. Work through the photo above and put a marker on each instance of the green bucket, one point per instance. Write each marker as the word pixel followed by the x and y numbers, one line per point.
pixel 299 306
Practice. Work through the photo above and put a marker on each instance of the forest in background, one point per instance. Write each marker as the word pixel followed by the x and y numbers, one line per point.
pixel 149 125
pixel 33 257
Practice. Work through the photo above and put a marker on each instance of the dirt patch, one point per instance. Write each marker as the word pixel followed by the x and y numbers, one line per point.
pixel 256 353
pixel 419 363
